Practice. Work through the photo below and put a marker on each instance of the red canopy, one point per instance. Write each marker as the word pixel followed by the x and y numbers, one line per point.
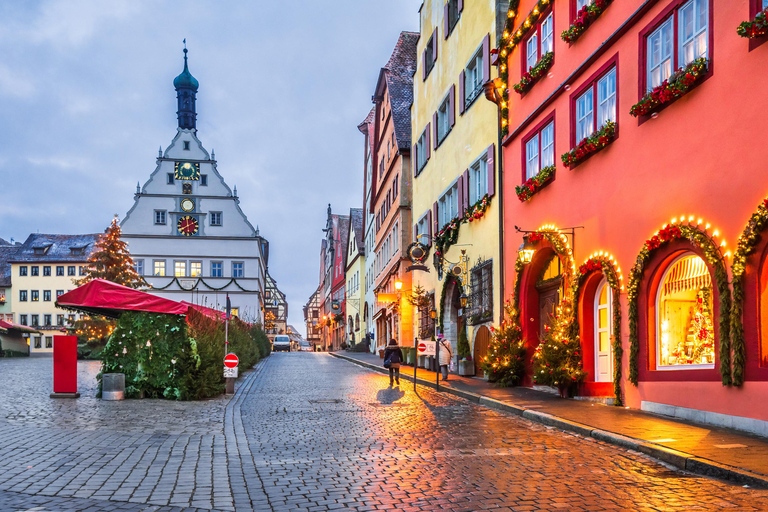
pixel 213 313
pixel 8 326
pixel 109 299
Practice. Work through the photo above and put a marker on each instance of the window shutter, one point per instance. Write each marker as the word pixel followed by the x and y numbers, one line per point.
pixel 486 58
pixel 461 5
pixel 452 106
pixel 462 205
pixel 466 188
pixel 415 159
pixel 434 127
pixel 429 224
pixel 424 65
pixel 434 45
pixel 491 156
pixel 436 226
pixel 415 232
pixel 462 106
pixel 428 143
pixel 446 22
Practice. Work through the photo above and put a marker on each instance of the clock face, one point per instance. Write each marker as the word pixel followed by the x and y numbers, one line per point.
pixel 186 171
pixel 187 225
pixel 187 205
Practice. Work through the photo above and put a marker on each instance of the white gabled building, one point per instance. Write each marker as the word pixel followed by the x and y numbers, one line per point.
pixel 186 232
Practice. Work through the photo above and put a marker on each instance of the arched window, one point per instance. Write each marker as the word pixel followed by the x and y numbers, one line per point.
pixel 603 329
pixel 357 322
pixel 685 334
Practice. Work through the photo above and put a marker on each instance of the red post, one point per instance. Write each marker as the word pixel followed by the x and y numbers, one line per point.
pixel 65 367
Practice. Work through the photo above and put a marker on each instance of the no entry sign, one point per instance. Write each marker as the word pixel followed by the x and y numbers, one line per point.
pixel 231 360
pixel 426 348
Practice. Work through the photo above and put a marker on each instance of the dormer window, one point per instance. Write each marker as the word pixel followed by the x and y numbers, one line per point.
pixel 186 145
pixel 42 250
pixel 77 251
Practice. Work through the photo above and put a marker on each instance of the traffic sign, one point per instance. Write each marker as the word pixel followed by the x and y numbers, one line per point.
pixel 230 373
pixel 231 360
pixel 427 348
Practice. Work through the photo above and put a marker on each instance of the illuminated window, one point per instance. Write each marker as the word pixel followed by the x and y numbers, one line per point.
pixel 195 268
pixel 180 268
pixel 685 333
pixel 603 326
pixel 159 269
pixel 235 311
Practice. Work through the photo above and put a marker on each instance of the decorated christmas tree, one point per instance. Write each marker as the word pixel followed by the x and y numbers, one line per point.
pixel 701 330
pixel 557 361
pixel 111 261
pixel 505 362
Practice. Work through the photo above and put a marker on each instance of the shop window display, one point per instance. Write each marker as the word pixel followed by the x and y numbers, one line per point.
pixel 684 312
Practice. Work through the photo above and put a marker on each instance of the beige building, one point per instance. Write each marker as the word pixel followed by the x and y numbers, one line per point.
pixel 43 268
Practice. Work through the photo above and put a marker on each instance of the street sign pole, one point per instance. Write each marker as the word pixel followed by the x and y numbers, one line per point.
pixel 437 366
pixel 415 367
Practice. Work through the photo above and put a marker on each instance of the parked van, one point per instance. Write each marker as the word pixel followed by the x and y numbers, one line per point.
pixel 281 342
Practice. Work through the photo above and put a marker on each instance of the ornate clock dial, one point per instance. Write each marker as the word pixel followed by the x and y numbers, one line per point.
pixel 187 205
pixel 187 225
pixel 186 171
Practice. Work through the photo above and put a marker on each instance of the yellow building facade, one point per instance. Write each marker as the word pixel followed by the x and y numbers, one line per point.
pixel 455 171
pixel 355 276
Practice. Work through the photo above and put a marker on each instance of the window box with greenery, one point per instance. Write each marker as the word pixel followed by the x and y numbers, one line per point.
pixel 587 14
pixel 676 86
pixel 533 185
pixel 533 75
pixel 758 27
pixel 591 144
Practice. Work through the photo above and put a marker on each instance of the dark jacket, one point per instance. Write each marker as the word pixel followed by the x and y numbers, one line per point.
pixel 394 350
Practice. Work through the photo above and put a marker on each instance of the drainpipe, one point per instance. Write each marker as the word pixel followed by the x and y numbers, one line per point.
pixel 500 173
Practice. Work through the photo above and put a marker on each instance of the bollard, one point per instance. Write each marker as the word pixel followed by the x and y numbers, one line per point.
pixel 113 386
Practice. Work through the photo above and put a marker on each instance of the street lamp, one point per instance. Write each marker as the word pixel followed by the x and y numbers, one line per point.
pixel 526 251
pixel 398 285
pixel 463 300
pixel 433 313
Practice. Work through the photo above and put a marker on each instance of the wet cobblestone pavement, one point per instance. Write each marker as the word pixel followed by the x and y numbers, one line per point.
pixel 310 432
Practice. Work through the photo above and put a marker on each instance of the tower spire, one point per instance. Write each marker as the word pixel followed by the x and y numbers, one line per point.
pixel 186 91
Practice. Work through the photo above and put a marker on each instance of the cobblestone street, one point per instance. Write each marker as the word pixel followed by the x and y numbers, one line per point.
pixel 307 431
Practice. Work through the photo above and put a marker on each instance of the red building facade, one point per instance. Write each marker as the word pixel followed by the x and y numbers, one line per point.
pixel 639 125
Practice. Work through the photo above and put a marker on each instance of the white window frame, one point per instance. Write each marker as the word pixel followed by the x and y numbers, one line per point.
pixel 608 328
pixel 699 10
pixel 216 219
pixel 158 265
pixel 580 4
pixel 448 204
pixel 138 266
pixel 547 36
pixel 444 119
pixel 532 51
pixel 606 98
pixel 161 217
pixel 585 114
pixel 241 269
pixel 199 268
pixel 663 37
pixel 421 151
pixel 545 150
pixel 478 179
pixel 180 265
pixel 220 269
pixel 473 78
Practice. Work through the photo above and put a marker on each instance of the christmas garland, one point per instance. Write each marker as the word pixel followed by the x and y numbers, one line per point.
pixel 713 256
pixel 591 144
pixel 533 185
pixel 449 235
pixel 449 279
pixel 755 28
pixel 672 88
pixel 532 76
pixel 745 246
pixel 584 19
pixel 606 265
pixel 200 281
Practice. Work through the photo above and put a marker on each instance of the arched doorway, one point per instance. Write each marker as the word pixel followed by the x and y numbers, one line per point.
pixel 482 340
pixel 452 322
pixel 603 321
pixel 549 286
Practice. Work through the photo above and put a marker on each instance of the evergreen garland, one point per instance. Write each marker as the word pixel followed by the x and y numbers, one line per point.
pixel 713 256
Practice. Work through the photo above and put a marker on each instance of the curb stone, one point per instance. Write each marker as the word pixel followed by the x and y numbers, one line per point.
pixel 680 460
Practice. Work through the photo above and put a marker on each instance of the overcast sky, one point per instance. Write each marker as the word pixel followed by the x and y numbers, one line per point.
pixel 86 100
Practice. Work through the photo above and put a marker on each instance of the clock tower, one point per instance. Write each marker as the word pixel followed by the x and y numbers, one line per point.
pixel 187 234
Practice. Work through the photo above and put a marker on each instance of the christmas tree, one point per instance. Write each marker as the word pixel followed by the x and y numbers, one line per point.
pixel 111 261
pixel 701 329
pixel 505 363
pixel 557 361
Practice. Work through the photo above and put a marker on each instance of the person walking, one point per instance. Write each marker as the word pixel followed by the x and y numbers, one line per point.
pixel 394 355
pixel 445 356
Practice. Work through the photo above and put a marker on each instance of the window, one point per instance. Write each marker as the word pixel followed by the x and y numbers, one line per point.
pixel 81 270
pixel 448 205
pixel 215 218
pixel 473 78
pixel 49 342
pixel 196 268
pixel 180 268
pixel 667 49
pixel 160 216
pixel 235 311
pixel 59 293
pixel 203 180
pixel 422 230
pixel 47 320
pixel 59 320
pixel 540 42
pixel 540 150
pixel 35 270
pixel 159 269
pixel 77 251
pixel 170 178
pixel 47 270
pixel 216 269
pixel 35 295
pixel 23 270
pixel 603 332
pixel 422 150
pixel 237 269
pixel 453 13
pixel 186 145
pixel 444 117
pixel 70 270
pixel 478 179
pixel 35 320
pixel 60 270
pixel 23 320
pixel 22 295
pixel 596 106
pixel 426 322
pixel 38 341
pixel 685 333
pixel 396 185
pixel 430 54
pixel 481 293
pixel 71 319
pixel 46 295
pixel 582 3
pixel 138 266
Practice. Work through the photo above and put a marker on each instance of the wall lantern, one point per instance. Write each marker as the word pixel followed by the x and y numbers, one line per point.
pixel 433 313
pixel 463 300
pixel 526 251
pixel 398 285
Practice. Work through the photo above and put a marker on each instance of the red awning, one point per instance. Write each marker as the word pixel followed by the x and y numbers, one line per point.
pixel 213 313
pixel 109 299
pixel 8 326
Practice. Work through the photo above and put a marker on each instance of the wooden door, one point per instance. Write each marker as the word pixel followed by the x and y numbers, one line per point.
pixel 482 340
pixel 549 296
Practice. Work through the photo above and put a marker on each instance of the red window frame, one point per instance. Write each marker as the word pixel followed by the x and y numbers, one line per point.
pixel 537 31
pixel 591 82
pixel 536 132
pixel 755 7
pixel 671 12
